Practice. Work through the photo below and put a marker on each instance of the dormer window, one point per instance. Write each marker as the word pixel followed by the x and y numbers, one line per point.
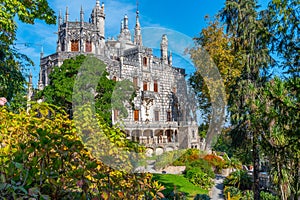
pixel 74 45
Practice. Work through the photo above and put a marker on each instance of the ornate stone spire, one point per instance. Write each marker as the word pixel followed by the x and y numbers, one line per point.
pixel 59 19
pixel 81 16
pixel 67 14
pixel 137 29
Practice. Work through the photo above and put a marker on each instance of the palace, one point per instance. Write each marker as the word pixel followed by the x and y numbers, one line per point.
pixel 161 119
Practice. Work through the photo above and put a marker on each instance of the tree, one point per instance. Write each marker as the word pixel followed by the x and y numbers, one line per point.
pixel 250 43
pixel 62 79
pixel 279 108
pixel 12 62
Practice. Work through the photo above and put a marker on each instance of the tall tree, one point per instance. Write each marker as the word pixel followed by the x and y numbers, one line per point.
pixel 250 43
pixel 11 61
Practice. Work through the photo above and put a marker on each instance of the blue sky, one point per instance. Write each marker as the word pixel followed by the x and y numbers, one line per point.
pixel 181 20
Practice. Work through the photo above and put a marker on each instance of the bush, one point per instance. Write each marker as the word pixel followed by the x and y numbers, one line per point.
pixel 235 193
pixel 199 178
pixel 268 196
pixel 215 161
pixel 203 165
pixel 42 157
pixel 239 179
pixel 189 156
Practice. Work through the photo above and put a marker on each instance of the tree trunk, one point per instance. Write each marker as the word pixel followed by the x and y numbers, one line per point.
pixel 256 188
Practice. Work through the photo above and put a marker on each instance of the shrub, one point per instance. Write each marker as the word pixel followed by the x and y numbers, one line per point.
pixel 235 193
pixel 239 179
pixel 203 165
pixel 199 178
pixel 215 161
pixel 268 196
pixel 41 157
pixel 188 156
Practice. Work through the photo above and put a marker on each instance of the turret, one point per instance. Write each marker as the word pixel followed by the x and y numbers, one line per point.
pixel 137 30
pixel 98 18
pixel 164 49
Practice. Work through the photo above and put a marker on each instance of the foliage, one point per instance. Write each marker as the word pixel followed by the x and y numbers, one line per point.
pixel 268 196
pixel 199 178
pixel 216 161
pixel 282 18
pixel 203 165
pixel 188 156
pixel 235 193
pixel 42 157
pixel 202 197
pixel 62 79
pixel 239 179
pixel 12 63
pixel 167 159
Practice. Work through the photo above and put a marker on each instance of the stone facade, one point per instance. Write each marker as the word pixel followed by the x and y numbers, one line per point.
pixel 161 117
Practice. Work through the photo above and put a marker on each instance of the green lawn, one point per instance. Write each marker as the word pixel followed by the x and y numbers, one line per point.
pixel 181 183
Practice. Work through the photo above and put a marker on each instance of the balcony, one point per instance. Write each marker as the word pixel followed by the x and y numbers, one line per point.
pixel 148 95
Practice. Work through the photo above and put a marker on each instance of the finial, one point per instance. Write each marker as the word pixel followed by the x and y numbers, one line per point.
pixel 137 7
pixel 97 3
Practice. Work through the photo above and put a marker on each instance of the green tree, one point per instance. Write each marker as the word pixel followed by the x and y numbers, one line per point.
pixel 250 42
pixel 12 62
pixel 60 89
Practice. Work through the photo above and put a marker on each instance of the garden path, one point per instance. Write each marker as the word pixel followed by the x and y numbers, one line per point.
pixel 217 190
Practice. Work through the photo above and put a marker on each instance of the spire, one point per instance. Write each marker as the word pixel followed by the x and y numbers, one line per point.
pixel 122 26
pixel 81 15
pixel 125 21
pixel 137 29
pixel 59 19
pixel 67 14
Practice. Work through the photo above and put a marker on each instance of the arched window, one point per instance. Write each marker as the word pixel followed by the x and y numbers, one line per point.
pixel 145 61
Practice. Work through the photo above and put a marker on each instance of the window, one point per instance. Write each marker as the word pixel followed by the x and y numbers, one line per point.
pixel 88 46
pixel 145 86
pixel 155 86
pixel 135 82
pixel 156 115
pixel 136 115
pixel 75 45
pixel 169 116
pixel 145 61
